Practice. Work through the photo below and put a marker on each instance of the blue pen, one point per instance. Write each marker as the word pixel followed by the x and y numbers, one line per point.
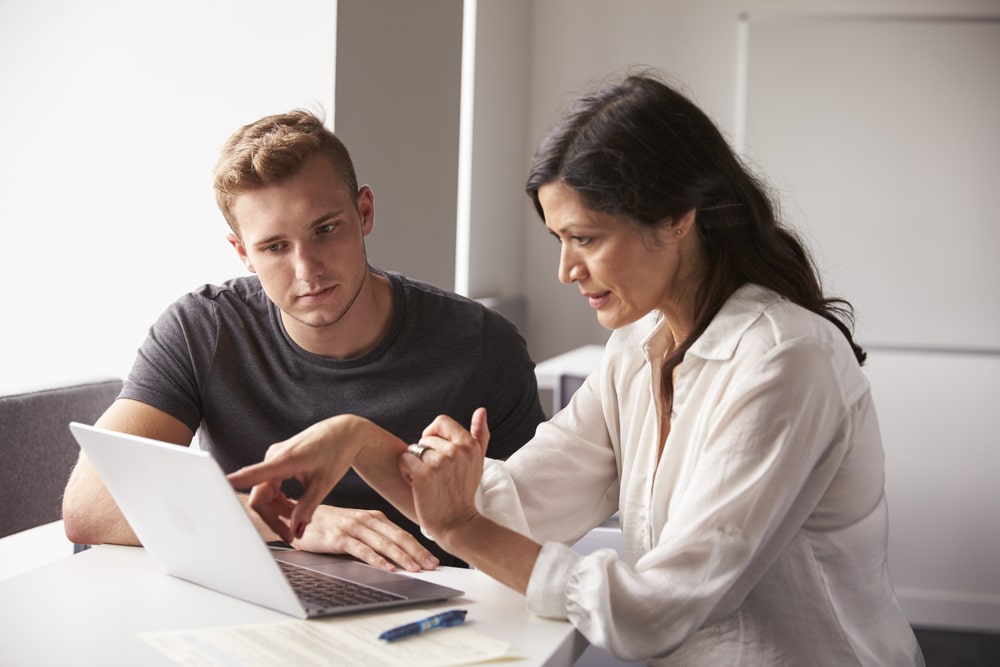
pixel 444 620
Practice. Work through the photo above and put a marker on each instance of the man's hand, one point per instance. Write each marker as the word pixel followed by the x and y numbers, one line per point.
pixel 367 535
pixel 318 457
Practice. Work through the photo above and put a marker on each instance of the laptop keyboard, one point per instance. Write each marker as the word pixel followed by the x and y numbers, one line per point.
pixel 322 591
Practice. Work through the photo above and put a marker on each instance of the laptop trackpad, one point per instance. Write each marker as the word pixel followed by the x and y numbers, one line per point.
pixel 344 567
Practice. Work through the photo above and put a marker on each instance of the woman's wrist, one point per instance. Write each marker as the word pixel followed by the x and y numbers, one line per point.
pixel 460 536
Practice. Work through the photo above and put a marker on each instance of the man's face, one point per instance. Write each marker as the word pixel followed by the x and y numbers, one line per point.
pixel 304 238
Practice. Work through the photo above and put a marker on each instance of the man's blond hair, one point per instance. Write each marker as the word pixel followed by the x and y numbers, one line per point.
pixel 273 149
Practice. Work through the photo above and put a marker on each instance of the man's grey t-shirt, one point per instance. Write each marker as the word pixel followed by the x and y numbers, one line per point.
pixel 219 360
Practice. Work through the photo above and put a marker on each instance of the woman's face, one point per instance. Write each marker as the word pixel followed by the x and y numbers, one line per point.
pixel 622 269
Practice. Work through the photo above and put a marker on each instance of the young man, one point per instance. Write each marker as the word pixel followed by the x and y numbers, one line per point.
pixel 314 331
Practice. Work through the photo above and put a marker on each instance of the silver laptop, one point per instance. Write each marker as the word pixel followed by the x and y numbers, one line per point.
pixel 187 516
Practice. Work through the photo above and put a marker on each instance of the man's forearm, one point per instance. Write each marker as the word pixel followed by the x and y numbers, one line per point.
pixel 90 514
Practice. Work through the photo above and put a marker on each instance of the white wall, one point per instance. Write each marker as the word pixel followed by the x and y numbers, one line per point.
pixel 113 114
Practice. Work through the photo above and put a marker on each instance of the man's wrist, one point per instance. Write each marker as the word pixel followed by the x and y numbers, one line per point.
pixel 266 532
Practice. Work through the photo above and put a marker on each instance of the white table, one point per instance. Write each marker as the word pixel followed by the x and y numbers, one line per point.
pixel 33 547
pixel 86 610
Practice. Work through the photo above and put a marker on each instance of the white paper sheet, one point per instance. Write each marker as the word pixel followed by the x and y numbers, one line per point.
pixel 352 640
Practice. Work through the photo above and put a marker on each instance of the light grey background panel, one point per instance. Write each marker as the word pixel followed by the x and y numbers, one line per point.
pixel 498 157
pixel 397 95
pixel 884 137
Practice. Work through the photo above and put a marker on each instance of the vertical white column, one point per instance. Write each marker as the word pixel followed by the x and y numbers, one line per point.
pixel 463 217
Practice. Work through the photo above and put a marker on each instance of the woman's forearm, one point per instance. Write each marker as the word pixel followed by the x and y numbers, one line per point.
pixel 503 554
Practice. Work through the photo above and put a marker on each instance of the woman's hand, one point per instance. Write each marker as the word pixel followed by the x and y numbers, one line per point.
pixel 318 457
pixel 445 477
pixel 443 482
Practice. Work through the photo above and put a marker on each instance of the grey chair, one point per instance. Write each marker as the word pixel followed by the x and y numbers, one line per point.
pixel 38 452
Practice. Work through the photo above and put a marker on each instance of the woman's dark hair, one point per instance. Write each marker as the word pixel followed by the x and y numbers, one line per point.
pixel 641 149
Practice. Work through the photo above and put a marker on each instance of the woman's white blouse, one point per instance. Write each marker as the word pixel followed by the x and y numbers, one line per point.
pixel 758 537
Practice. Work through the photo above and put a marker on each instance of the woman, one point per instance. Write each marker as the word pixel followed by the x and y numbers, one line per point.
pixel 729 423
